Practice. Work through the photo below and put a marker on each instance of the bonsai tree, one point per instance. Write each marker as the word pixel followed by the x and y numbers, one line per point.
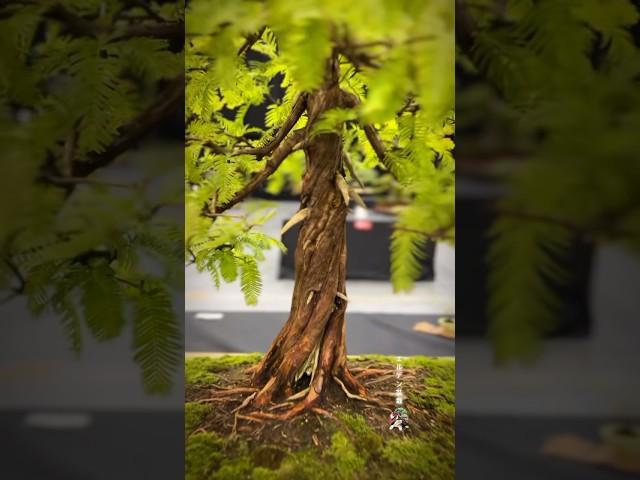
pixel 366 85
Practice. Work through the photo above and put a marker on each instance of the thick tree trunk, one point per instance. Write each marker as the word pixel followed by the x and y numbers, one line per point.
pixel 310 349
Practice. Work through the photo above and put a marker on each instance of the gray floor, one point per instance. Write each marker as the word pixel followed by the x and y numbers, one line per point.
pixel 366 333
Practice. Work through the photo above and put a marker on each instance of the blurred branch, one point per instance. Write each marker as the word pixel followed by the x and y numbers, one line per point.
pixel 465 27
pixel 90 181
pixel 18 275
pixel 170 100
pixel 567 224
pixel 80 26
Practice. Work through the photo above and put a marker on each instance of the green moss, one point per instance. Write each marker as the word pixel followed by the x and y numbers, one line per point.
pixel 194 414
pixel 366 441
pixel 235 469
pixel 347 462
pixel 203 455
pixel 419 457
pixel 201 370
pixel 303 465
pixel 416 361
pixel 357 450
pixel 268 456
pixel 439 392
pixel 262 473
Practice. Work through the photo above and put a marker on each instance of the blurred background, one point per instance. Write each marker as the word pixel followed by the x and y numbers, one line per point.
pixel 378 320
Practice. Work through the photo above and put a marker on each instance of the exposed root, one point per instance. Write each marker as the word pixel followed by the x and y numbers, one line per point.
pixel 280 405
pixel 380 379
pixel 369 372
pixel 233 391
pixel 350 395
pixel 386 394
pixel 298 395
pixel 245 402
pixel 264 396
pixel 321 411
pixel 265 416
pixel 250 417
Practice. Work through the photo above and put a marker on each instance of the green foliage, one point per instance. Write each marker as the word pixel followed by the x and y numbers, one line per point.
pixel 157 338
pixel 565 75
pixel 73 77
pixel 230 249
pixel 400 65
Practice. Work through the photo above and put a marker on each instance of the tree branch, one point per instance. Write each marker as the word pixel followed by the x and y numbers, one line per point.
pixel 250 40
pixel 299 106
pixel 278 156
pixel 465 27
pixel 16 272
pixel 171 99
pixel 378 146
pixel 78 25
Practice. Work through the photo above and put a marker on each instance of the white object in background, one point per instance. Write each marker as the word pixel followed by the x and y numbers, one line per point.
pixel 57 421
pixel 209 316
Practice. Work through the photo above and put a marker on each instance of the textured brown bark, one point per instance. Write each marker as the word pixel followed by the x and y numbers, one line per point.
pixel 316 323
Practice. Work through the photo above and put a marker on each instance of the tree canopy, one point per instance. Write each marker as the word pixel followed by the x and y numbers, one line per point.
pixel 396 60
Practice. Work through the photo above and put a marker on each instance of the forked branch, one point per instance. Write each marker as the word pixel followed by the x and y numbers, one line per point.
pixel 350 100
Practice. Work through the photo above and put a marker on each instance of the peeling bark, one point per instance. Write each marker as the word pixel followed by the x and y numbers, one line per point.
pixel 316 322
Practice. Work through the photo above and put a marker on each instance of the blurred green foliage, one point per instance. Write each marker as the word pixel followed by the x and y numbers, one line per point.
pixel 81 83
pixel 559 82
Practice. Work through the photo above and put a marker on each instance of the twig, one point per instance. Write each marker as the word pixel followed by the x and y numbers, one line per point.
pixel 128 282
pixel 352 171
pixel 250 40
pixel 16 273
pixel 69 152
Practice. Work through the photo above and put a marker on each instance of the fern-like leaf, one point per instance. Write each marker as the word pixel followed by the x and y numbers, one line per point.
pixel 157 339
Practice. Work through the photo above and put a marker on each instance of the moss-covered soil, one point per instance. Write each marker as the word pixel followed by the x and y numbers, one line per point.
pixel 345 439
